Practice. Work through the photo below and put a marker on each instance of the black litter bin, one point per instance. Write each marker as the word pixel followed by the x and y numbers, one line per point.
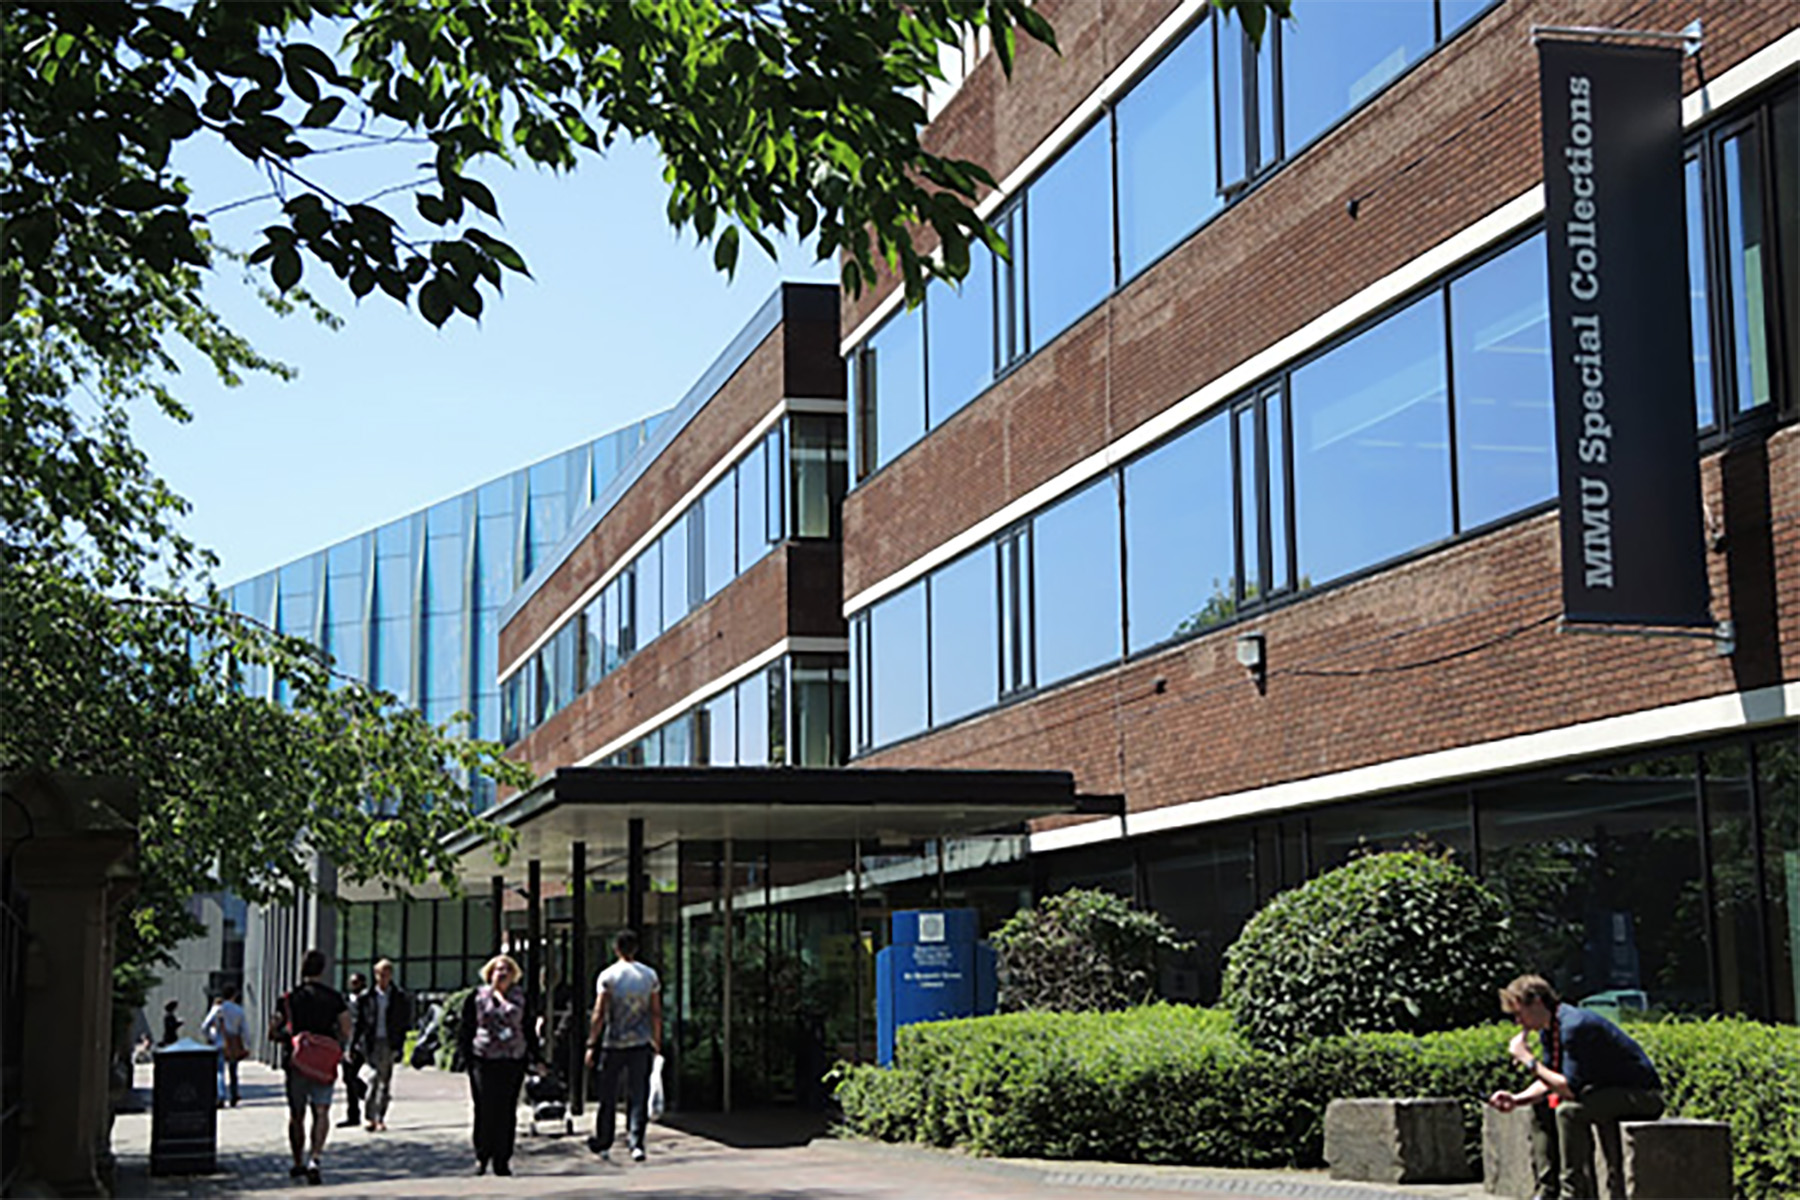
pixel 184 1109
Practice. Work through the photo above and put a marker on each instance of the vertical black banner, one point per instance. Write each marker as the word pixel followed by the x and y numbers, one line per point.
pixel 1620 344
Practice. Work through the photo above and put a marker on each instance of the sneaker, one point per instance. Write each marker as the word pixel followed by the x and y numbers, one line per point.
pixel 296 1172
pixel 312 1174
pixel 502 1168
pixel 637 1154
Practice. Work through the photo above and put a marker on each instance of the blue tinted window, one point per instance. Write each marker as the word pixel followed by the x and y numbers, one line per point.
pixel 1068 219
pixel 897 665
pixel 494 560
pixel 393 657
pixel 719 520
pixel 1749 263
pixel 487 716
pixel 1167 178
pixel 1500 348
pixel 1335 56
pixel 1075 580
pixel 444 646
pixel 753 507
pixel 678 742
pixel 895 365
pixel 646 570
pixel 753 721
pixel 615 615
pixel 627 609
pixel 818 472
pixel 1249 533
pixel 445 573
pixel 483 669
pixel 964 637
pixel 509 709
pixel 394 570
pixel 1178 552
pixel 1371 446
pixel 960 336
pixel 1454 14
pixel 1699 306
pixel 675 557
pixel 593 653
pixel 1275 450
pixel 719 721
pixel 1246 138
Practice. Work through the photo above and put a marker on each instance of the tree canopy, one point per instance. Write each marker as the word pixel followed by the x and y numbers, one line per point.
pixel 118 655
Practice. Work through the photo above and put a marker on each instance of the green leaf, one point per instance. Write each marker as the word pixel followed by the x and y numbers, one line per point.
pixel 725 250
pixel 319 115
pixel 142 195
pixel 435 301
pixel 285 269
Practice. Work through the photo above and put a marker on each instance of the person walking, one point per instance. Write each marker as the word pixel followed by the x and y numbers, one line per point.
pixel 304 1023
pixel 171 1024
pixel 382 1021
pixel 496 1041
pixel 624 1036
pixel 1587 1070
pixel 226 1026
pixel 354 1087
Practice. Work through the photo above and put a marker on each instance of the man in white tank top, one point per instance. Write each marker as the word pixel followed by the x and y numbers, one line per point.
pixel 623 1038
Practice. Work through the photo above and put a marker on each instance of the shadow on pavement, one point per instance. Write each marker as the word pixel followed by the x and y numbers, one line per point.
pixel 763 1129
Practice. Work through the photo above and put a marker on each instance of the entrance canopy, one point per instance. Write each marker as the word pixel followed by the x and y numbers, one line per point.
pixel 598 805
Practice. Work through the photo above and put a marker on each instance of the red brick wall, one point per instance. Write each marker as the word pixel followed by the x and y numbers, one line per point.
pixel 1188 723
pixel 1283 255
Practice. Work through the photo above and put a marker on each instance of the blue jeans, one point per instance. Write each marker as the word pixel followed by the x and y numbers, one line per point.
pixel 227 1071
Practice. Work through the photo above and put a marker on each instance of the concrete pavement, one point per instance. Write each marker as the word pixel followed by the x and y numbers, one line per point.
pixel 426 1153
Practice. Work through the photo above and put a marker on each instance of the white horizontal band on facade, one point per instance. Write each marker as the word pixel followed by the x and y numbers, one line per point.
pixel 1116 82
pixel 733 677
pixel 668 518
pixel 1459 247
pixel 1729 713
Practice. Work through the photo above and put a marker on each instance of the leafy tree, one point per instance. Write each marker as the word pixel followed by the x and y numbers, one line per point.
pixel 1082 950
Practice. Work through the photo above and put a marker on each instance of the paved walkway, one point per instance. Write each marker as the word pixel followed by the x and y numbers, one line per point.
pixel 774 1156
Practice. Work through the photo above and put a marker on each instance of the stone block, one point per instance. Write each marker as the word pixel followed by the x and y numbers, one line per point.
pixel 1395 1140
pixel 1677 1158
pixel 1506 1152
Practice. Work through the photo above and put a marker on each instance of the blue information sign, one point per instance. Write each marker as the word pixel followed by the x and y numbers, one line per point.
pixel 934 970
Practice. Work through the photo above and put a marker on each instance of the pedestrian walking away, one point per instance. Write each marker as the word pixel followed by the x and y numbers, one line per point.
pixel 171 1024
pixel 227 1027
pixel 311 1026
pixel 1586 1070
pixel 383 1018
pixel 497 1042
pixel 623 1038
pixel 354 1087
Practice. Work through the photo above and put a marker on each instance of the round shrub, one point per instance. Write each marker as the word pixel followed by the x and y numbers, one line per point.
pixel 1403 942
pixel 1080 951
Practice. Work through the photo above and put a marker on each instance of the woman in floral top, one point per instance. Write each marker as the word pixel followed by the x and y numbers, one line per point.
pixel 497 1042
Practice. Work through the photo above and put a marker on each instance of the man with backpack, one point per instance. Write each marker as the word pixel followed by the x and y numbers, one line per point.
pixel 311 1026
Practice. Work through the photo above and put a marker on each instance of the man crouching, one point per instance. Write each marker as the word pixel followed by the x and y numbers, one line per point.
pixel 1586 1069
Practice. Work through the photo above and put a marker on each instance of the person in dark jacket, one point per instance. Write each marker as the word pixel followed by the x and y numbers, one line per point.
pixel 383 1017
pixel 354 1087
pixel 171 1024
pixel 497 1042
pixel 1585 1070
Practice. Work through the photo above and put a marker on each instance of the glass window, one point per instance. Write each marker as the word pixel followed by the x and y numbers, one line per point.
pixel 1167 175
pixel 444 646
pixel 1505 425
pixel 1454 14
pixel 753 507
pixel 1340 832
pixel 777 710
pixel 360 941
pixel 719 523
pixel 897 665
pixel 393 657
pixel 510 708
pixel 718 730
pixel 1778 797
pixel 964 637
pixel 1178 551
pixel 1275 459
pixel 1075 580
pixel 593 655
pixel 753 721
pixel 821 717
pixel 626 606
pixel 1246 105
pixel 1699 289
pixel 894 366
pixel 1204 885
pixel 450 929
pixel 646 571
pixel 1014 553
pixel 678 742
pixel 494 559
pixel 610 645
pixel 819 474
pixel 418 928
pixel 445 574
pixel 1784 125
pixel 1371 446
pixel 675 558
pixel 547 510
pixel 1068 218
pixel 1747 262
pixel 959 324
pixel 1335 56
pixel 1601 870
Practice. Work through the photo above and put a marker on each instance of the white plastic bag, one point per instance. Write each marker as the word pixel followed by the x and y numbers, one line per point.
pixel 656 1089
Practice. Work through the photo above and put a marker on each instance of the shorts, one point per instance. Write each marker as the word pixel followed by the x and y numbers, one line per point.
pixel 302 1091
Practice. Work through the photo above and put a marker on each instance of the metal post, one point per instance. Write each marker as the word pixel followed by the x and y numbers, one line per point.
pixel 725 988
pixel 534 929
pixel 856 947
pixel 634 885
pixel 499 922
pixel 578 987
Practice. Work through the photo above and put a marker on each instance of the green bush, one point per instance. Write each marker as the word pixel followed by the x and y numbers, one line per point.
pixel 1080 951
pixel 1404 942
pixel 1167 1084
pixel 444 1057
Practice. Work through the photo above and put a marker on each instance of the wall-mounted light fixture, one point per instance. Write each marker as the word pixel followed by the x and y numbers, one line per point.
pixel 1252 656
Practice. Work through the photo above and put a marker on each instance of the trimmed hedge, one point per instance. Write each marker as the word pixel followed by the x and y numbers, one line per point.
pixel 1169 1084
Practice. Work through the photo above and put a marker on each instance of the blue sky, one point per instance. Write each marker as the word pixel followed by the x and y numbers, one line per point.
pixel 388 414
